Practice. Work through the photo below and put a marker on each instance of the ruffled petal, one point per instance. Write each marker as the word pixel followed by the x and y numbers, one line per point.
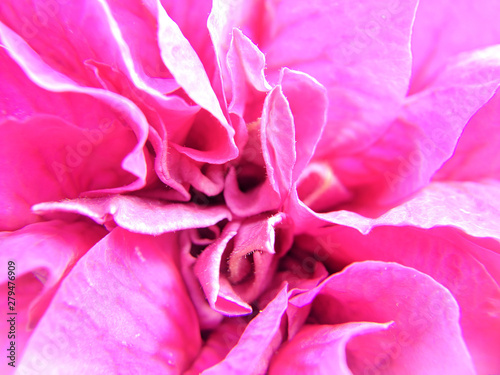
pixel 57 246
pixel 440 253
pixel 426 133
pixel 139 215
pixel 443 29
pixel 359 52
pixel 478 143
pixel 262 336
pixel 319 349
pixel 49 79
pixel 469 206
pixel 91 327
pixel 425 337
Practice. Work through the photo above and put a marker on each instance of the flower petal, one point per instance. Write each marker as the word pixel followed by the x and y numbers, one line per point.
pixel 425 337
pixel 426 133
pixel 469 206
pixel 441 254
pixel 364 62
pixel 139 215
pixel 63 161
pixel 157 331
pixel 442 29
pixel 319 349
pixel 44 253
pixel 258 342
pixel 46 77
pixel 478 142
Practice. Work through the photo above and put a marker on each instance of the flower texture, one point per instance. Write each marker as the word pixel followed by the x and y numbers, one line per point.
pixel 250 186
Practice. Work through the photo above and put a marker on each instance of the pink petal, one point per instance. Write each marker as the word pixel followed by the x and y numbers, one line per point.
pixel 224 17
pixel 478 142
pixel 221 340
pixel 278 141
pixel 157 330
pixel 319 349
pixel 469 206
pixel 258 342
pixel 308 103
pixel 359 51
pixel 63 161
pixel 443 29
pixel 218 291
pixel 208 318
pixel 236 268
pixel 139 215
pixel 246 64
pixel 44 253
pixel 426 133
pixel 188 70
pixel 247 203
pixel 44 76
pixel 446 257
pixel 425 337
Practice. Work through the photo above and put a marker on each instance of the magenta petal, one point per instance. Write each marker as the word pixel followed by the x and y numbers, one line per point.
pixel 440 33
pixel 319 349
pixel 469 206
pixel 478 142
pixel 425 337
pixel 157 330
pixel 359 51
pixel 258 342
pixel 43 253
pixel 446 257
pixel 44 76
pixel 219 292
pixel 221 340
pixel 308 103
pixel 45 158
pixel 139 215
pixel 426 133
pixel 246 65
pixel 188 70
pixel 278 141
pixel 255 201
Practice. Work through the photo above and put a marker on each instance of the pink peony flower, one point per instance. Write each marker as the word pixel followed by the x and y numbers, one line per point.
pixel 250 187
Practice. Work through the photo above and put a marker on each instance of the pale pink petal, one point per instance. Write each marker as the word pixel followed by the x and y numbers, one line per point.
pixel 259 244
pixel 477 144
pixel 443 28
pixel 224 16
pixel 359 51
pixel 258 342
pixel 426 133
pixel 319 349
pixel 426 336
pixel 89 325
pixel 441 254
pixel 191 17
pixel 139 215
pixel 43 253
